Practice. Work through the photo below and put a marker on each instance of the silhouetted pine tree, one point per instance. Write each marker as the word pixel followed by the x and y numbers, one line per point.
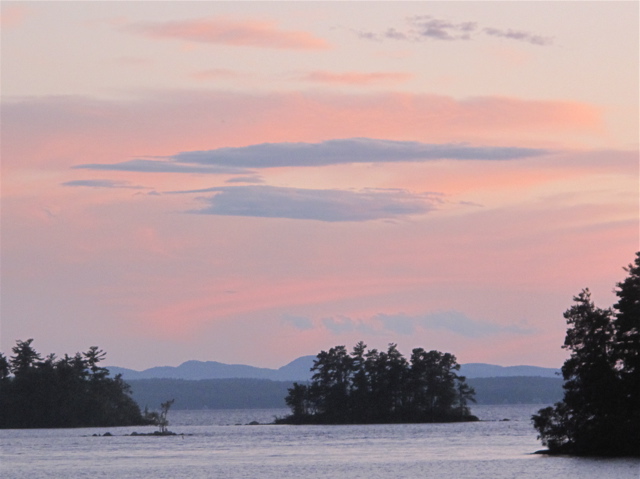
pixel 67 392
pixel 600 412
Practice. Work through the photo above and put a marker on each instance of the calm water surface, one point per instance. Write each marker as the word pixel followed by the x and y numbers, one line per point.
pixel 220 444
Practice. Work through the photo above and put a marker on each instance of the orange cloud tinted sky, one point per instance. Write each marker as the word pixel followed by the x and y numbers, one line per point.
pixel 252 182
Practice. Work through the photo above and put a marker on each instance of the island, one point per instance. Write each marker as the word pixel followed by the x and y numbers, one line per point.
pixel 375 387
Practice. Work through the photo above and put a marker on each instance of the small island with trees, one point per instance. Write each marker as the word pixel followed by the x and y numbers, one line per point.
pixel 72 391
pixel 372 387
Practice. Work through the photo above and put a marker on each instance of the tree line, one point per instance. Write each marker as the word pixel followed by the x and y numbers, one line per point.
pixel 72 391
pixel 600 411
pixel 371 386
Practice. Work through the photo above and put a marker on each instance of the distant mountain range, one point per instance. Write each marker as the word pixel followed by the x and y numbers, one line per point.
pixel 266 394
pixel 214 385
pixel 299 370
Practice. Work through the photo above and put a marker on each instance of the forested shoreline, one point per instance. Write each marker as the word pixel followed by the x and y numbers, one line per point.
pixel 72 391
pixel 75 391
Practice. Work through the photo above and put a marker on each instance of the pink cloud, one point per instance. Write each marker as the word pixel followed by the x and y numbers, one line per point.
pixel 241 297
pixel 503 111
pixel 63 131
pixel 357 78
pixel 524 253
pixel 225 31
pixel 13 16
pixel 518 177
pixel 222 282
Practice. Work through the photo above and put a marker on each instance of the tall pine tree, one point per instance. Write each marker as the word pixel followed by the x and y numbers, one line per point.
pixel 600 412
pixel 626 351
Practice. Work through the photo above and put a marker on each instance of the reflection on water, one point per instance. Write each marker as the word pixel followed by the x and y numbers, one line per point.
pixel 230 417
pixel 214 445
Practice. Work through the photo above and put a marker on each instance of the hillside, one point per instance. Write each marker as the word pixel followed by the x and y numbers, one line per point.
pixel 215 385
pixel 299 370
pixel 517 390
pixel 296 370
pixel 211 393
pixel 261 393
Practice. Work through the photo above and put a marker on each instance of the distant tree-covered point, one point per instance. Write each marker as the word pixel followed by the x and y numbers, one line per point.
pixel 72 391
pixel 374 387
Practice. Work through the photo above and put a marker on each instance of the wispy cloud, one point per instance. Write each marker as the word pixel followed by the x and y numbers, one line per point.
pixel 518 35
pixel 255 179
pixel 300 323
pixel 453 321
pixel 343 324
pixel 230 32
pixel 321 205
pixel 163 166
pixel 357 78
pixel 331 152
pixel 406 325
pixel 213 119
pixel 346 151
pixel 103 184
pixel 426 27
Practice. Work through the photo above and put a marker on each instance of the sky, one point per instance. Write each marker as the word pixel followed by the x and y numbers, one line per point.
pixel 250 182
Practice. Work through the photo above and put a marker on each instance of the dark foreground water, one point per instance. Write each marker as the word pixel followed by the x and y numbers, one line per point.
pixel 219 444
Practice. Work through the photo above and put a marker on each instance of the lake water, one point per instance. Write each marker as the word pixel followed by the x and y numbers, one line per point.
pixel 220 444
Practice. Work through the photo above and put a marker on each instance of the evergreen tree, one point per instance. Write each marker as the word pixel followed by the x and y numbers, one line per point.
pixel 332 372
pixel 627 348
pixel 600 412
pixel 298 401
pixel 25 357
pixel 380 386
pixel 360 394
pixel 67 392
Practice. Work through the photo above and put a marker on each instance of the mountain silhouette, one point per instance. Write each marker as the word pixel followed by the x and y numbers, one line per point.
pixel 299 370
